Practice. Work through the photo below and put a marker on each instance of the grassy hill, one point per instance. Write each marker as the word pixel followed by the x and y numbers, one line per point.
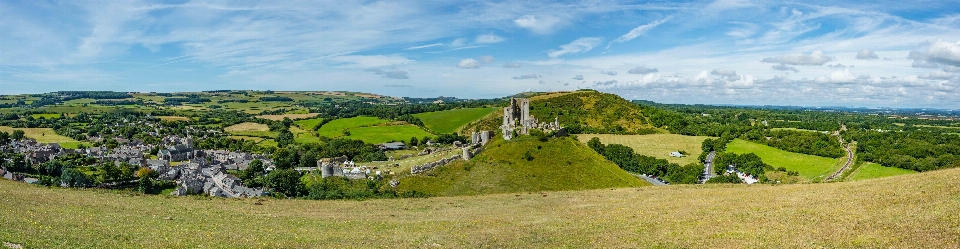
pixel 592 112
pixel 909 211
pixel 559 164
pixel 450 120
pixel 812 168
pixel 655 145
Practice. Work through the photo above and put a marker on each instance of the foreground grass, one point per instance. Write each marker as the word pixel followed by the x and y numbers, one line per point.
pixel 884 213
pixel 46 135
pixel 450 120
pixel 559 164
pixel 812 168
pixel 873 170
pixel 655 145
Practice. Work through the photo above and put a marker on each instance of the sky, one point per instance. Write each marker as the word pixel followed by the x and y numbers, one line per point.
pixel 807 53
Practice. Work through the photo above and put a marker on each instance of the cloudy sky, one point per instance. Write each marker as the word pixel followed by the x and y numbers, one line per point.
pixel 872 54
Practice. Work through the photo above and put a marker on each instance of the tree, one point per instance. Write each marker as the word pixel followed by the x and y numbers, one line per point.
pixel 285 138
pixel 74 178
pixel 414 141
pixel 284 181
pixel 596 145
pixel 17 134
pixel 287 122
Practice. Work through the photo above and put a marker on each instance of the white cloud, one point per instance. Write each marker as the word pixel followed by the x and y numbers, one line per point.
pixel 729 74
pixel 487 39
pixel 542 25
pixel 611 73
pixel 578 77
pixel 525 76
pixel 782 67
pixel 459 42
pixel 944 52
pixel 838 77
pixel 511 65
pixel 816 58
pixel 397 74
pixel 486 59
pixel 580 45
pixel 866 54
pixel 642 70
pixel 468 63
pixel 366 61
pixel 424 46
pixel 936 75
pixel 634 33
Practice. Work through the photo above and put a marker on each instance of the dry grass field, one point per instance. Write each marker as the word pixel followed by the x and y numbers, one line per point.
pixel 248 126
pixel 173 118
pixel 909 211
pixel 655 145
pixel 291 116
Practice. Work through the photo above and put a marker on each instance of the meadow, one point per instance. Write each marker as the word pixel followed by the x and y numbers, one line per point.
pixel 655 145
pixel 877 213
pixel 450 121
pixel 558 164
pixel 173 118
pixel 812 168
pixel 335 128
pixel 46 135
pixel 873 170
pixel 308 124
pixel 387 133
pixel 251 130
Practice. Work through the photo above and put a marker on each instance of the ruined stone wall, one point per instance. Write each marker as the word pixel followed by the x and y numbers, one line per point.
pixel 428 166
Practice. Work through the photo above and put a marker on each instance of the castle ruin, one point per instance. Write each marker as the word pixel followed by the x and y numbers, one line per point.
pixel 517 118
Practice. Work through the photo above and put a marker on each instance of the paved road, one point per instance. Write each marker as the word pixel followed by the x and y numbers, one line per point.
pixel 708 168
pixel 655 182
pixel 845 165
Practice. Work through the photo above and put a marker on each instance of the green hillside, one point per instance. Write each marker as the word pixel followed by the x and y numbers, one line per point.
pixel 592 112
pixel 812 168
pixel 873 170
pixel 559 164
pixel 450 120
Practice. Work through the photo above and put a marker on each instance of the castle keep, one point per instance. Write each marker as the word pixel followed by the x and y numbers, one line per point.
pixel 517 118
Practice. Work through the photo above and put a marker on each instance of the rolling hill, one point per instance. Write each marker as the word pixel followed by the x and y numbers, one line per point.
pixel 588 111
pixel 907 211
pixel 558 164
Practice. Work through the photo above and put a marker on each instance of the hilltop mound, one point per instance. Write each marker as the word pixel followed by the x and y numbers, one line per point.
pixel 593 112
pixel 558 164
pixel 450 120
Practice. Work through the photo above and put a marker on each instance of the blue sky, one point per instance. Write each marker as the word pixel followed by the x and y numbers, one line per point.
pixel 872 53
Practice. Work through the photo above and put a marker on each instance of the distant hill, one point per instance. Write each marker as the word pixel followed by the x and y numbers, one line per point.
pixel 588 111
pixel 558 164
pixel 584 111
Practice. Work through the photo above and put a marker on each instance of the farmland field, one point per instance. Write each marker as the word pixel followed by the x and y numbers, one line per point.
pixel 382 134
pixel 251 130
pixel 173 118
pixel 335 128
pixel 655 145
pixel 46 135
pixel 308 124
pixel 878 213
pixel 450 120
pixel 812 168
pixel 873 170
pixel 291 116
pixel 45 115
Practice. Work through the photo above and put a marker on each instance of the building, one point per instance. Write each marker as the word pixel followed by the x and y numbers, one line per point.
pixel 176 153
pixel 392 146
pixel 518 120
pixel 676 154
